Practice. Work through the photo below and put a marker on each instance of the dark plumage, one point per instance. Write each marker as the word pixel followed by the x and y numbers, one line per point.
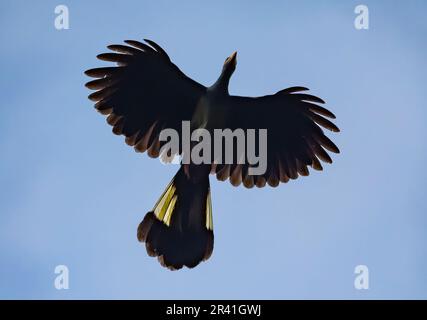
pixel 146 93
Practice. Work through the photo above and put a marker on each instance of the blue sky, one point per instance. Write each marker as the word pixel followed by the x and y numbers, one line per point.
pixel 73 193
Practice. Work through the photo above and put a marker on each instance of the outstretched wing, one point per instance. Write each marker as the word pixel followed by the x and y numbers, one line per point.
pixel 295 138
pixel 143 94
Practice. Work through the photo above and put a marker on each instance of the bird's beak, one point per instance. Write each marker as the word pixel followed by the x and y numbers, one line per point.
pixel 233 58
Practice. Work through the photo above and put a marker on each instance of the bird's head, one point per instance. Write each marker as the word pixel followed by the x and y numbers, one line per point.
pixel 230 64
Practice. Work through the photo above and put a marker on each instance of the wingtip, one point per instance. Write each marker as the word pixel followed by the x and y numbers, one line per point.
pixel 151 43
pixel 90 73
pixel 293 89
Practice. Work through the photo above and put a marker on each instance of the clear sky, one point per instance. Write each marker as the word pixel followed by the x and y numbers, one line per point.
pixel 73 193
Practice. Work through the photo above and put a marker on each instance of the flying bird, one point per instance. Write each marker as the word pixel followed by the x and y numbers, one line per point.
pixel 145 93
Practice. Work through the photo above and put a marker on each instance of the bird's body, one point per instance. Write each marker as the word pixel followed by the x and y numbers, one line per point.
pixel 147 93
pixel 212 111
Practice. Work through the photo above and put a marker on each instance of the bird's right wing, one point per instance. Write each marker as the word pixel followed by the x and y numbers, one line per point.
pixel 295 138
pixel 143 94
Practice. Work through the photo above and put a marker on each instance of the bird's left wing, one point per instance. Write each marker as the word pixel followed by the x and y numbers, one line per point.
pixel 143 94
pixel 295 138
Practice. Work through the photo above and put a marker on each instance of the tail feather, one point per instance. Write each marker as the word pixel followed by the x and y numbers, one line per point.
pixel 179 229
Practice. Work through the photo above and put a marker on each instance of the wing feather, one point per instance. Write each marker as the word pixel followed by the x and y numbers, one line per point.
pixel 143 94
pixel 295 138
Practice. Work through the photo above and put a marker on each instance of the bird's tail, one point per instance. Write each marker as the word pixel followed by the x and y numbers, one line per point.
pixel 179 229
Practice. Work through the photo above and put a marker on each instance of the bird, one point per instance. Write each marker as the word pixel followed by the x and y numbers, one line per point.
pixel 145 93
